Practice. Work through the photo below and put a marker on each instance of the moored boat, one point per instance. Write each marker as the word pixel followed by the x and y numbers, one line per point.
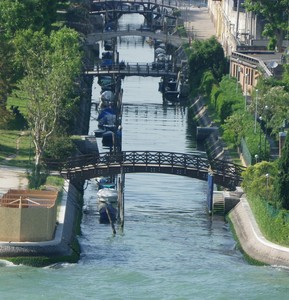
pixel 107 205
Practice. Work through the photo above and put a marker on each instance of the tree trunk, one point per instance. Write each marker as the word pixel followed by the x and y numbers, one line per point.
pixel 279 37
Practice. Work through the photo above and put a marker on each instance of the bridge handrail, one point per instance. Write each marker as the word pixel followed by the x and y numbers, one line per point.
pixel 156 158
pixel 137 157
pixel 169 3
pixel 130 67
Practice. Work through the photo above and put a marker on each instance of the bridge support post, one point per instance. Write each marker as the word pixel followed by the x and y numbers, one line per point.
pixel 121 181
pixel 210 192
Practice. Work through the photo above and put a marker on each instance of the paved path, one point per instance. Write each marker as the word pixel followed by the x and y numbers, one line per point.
pixel 198 23
pixel 12 178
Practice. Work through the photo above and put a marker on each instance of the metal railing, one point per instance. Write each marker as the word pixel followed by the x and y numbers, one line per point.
pixel 130 69
pixel 165 3
pixel 226 173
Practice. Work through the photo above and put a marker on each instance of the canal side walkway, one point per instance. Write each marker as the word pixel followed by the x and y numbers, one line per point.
pixel 198 23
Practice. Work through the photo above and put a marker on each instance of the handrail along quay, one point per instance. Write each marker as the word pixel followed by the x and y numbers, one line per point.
pixel 226 174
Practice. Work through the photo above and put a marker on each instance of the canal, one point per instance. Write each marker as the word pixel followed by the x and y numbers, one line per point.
pixel 170 248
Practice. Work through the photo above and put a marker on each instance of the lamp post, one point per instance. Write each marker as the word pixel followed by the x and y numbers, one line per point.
pixel 256 158
pixel 256 108
pixel 265 140
pixel 246 87
pixel 267 184
pixel 260 118
pixel 238 72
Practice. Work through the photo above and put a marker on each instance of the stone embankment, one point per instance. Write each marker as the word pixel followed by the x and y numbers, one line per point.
pixel 251 240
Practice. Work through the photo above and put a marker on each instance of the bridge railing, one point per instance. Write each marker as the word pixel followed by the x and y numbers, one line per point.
pixel 134 68
pixel 228 169
pixel 169 3
pixel 138 157
pixel 226 173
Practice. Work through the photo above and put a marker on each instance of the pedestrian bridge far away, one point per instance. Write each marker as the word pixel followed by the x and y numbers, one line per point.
pixel 85 167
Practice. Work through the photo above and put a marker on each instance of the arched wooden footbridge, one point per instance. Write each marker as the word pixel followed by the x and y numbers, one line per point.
pixel 85 167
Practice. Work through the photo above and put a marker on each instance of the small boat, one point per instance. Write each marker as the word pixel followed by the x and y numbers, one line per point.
pixel 108 139
pixel 172 96
pixel 99 132
pixel 107 205
pixel 105 182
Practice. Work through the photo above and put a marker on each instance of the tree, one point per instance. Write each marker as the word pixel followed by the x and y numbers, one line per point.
pixel 206 55
pixel 275 13
pixel 51 64
pixel 258 180
pixel 5 70
pixel 228 100
pixel 272 105
pixel 235 128
pixel 28 14
pixel 6 77
pixel 282 184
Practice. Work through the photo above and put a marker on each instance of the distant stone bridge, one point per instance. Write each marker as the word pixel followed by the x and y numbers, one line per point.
pixel 226 174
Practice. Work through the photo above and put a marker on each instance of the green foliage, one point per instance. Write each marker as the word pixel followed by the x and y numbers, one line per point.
pixel 54 181
pixel 227 101
pixel 236 127
pixel 207 83
pixel 215 92
pixel 282 184
pixel 258 180
pixel 177 13
pixel 15 148
pixel 28 14
pixel 7 77
pixel 52 64
pixel 273 223
pixel 17 120
pixel 6 118
pixel 276 20
pixel 59 148
pixel 206 55
pixel 181 31
pixel 36 177
pixel 272 106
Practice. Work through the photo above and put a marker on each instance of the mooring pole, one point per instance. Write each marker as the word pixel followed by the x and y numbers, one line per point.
pixel 210 192
pixel 110 221
pixel 121 199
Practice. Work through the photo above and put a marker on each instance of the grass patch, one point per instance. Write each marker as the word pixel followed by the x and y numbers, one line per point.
pixel 56 181
pixel 17 101
pixel 16 148
pixel 273 223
